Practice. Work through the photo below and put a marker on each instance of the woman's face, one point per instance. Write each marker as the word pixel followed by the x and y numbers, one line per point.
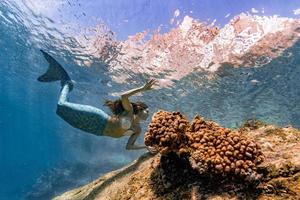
pixel 143 114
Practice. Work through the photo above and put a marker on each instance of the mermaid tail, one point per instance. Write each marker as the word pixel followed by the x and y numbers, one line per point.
pixel 83 117
pixel 55 71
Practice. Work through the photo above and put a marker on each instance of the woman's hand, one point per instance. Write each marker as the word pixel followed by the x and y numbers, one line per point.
pixel 149 84
pixel 152 150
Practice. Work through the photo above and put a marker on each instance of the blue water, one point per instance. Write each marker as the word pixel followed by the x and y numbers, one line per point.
pixel 42 156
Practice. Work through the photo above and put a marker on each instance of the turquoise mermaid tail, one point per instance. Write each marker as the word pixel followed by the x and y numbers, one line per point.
pixel 84 117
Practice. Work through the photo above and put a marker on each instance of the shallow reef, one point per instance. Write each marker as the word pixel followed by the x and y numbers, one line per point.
pixel 202 160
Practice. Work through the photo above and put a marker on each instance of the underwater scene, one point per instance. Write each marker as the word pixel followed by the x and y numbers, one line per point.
pixel 149 99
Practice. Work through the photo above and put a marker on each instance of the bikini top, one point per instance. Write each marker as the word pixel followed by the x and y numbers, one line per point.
pixel 125 123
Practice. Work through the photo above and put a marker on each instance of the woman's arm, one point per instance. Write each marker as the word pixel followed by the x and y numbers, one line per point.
pixel 124 97
pixel 130 144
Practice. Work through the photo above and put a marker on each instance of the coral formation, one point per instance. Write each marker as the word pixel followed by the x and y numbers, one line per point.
pixel 222 151
pixel 166 132
pixel 210 148
pixel 171 172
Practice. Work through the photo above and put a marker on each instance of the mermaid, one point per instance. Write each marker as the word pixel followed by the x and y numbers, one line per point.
pixel 126 117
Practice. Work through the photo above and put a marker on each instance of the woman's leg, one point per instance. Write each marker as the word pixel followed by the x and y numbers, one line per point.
pixel 87 118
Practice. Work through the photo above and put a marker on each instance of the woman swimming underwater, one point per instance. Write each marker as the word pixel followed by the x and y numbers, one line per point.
pixel 126 115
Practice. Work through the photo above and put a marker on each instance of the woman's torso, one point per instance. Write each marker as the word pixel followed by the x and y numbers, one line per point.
pixel 118 126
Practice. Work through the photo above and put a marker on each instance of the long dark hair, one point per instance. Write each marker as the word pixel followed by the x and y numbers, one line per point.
pixel 117 108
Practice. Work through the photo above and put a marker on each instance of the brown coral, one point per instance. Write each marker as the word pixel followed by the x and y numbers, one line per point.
pixel 166 132
pixel 210 148
pixel 222 151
